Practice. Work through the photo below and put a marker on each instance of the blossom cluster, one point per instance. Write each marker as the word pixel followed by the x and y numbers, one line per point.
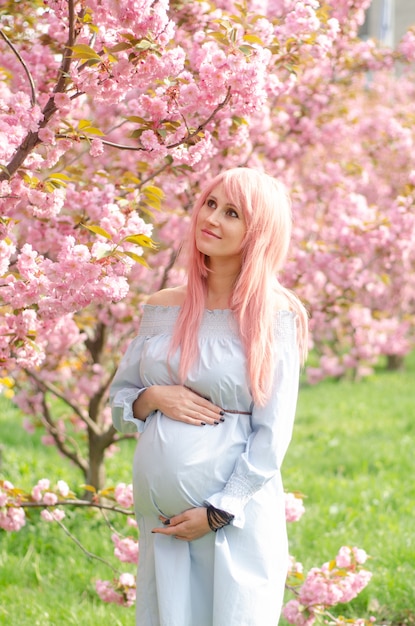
pixel 294 507
pixel 13 501
pixel 338 581
pixel 335 582
pixel 152 94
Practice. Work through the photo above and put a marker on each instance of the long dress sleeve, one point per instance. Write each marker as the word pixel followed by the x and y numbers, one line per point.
pixel 272 427
pixel 126 387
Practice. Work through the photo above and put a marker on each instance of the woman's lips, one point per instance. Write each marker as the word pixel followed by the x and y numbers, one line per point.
pixel 205 231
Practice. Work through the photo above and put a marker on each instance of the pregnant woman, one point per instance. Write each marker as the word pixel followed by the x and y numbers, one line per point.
pixel 211 384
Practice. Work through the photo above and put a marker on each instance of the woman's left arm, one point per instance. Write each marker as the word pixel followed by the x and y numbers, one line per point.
pixel 272 427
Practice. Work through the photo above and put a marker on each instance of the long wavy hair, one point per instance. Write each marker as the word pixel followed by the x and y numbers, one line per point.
pixel 266 207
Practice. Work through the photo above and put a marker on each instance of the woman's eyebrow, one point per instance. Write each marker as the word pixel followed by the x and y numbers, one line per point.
pixel 211 196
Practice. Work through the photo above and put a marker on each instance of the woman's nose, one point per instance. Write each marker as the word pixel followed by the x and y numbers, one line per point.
pixel 213 217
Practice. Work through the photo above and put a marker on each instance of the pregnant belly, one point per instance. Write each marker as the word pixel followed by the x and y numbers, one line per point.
pixel 178 466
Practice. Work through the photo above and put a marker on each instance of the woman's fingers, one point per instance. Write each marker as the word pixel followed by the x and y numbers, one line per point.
pixel 188 406
pixel 206 411
pixel 187 526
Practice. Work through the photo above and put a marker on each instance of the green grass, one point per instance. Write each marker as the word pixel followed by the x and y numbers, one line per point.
pixel 351 455
pixel 45 579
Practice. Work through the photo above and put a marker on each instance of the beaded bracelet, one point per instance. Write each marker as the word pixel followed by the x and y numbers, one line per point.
pixel 217 518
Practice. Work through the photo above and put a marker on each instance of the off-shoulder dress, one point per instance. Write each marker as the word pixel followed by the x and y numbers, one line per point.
pixel 234 577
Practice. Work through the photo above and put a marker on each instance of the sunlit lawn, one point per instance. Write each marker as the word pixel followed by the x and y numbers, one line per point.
pixel 352 456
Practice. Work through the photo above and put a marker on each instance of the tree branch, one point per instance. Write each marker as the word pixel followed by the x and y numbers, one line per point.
pixel 190 136
pixel 58 394
pixel 32 138
pixel 51 428
pixel 80 503
pixel 187 139
pixel 26 69
pixel 84 550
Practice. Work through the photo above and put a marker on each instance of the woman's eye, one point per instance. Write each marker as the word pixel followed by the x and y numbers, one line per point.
pixel 232 213
pixel 211 203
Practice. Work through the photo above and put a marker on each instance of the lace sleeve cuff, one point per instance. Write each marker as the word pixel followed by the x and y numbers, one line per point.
pixel 122 411
pixel 233 499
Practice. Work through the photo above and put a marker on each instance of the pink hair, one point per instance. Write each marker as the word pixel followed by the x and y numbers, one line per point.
pixel 266 206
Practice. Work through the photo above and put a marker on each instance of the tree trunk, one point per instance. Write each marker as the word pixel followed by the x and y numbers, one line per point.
pixel 96 471
pixel 395 362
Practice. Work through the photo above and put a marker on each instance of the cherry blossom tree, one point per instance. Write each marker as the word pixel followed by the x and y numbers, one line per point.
pixel 113 113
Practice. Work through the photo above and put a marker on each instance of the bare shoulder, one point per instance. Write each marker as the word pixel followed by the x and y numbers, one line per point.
pixel 173 296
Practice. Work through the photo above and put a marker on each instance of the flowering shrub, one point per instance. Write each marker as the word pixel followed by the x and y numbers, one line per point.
pixel 338 581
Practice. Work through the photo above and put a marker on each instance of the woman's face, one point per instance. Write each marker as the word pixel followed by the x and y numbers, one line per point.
pixel 220 226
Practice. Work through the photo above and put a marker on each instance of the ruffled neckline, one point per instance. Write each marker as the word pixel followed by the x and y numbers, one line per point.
pixel 216 323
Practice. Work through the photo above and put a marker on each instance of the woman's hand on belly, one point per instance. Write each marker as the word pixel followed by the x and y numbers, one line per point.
pixel 178 403
pixel 187 526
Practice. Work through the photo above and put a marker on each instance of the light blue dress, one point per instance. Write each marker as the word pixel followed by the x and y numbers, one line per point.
pixel 236 576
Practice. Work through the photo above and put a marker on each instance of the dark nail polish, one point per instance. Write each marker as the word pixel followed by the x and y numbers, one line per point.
pixel 222 419
pixel 167 522
pixel 221 413
pixel 203 423
pixel 216 423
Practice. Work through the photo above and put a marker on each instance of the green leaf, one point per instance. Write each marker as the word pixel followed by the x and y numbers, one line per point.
pixel 92 130
pixel 155 191
pixel 137 258
pixel 98 231
pixel 119 47
pixel 137 120
pixel 247 50
pixel 171 125
pixel 239 120
pixel 142 240
pixel 86 126
pixel 59 176
pixel 84 53
pixel 89 488
pixel 144 44
pixel 219 37
pixel 253 39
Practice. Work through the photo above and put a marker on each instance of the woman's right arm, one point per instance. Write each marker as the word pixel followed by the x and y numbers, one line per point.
pixel 132 401
pixel 126 388
pixel 178 403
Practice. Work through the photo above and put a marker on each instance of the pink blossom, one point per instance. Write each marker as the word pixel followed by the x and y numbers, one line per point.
pixel 46 205
pixel 52 516
pixel 47 136
pixel 126 550
pixel 126 579
pixel 344 557
pixel 360 555
pixel 407 45
pixel 50 498
pixel 132 522
pixel 119 592
pixel 297 614
pixel 12 518
pixel 294 507
pixel 107 593
pixel 63 488
pixel 48 440
pixel 44 483
pixel 97 148
pixel 62 102
pixel 124 495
